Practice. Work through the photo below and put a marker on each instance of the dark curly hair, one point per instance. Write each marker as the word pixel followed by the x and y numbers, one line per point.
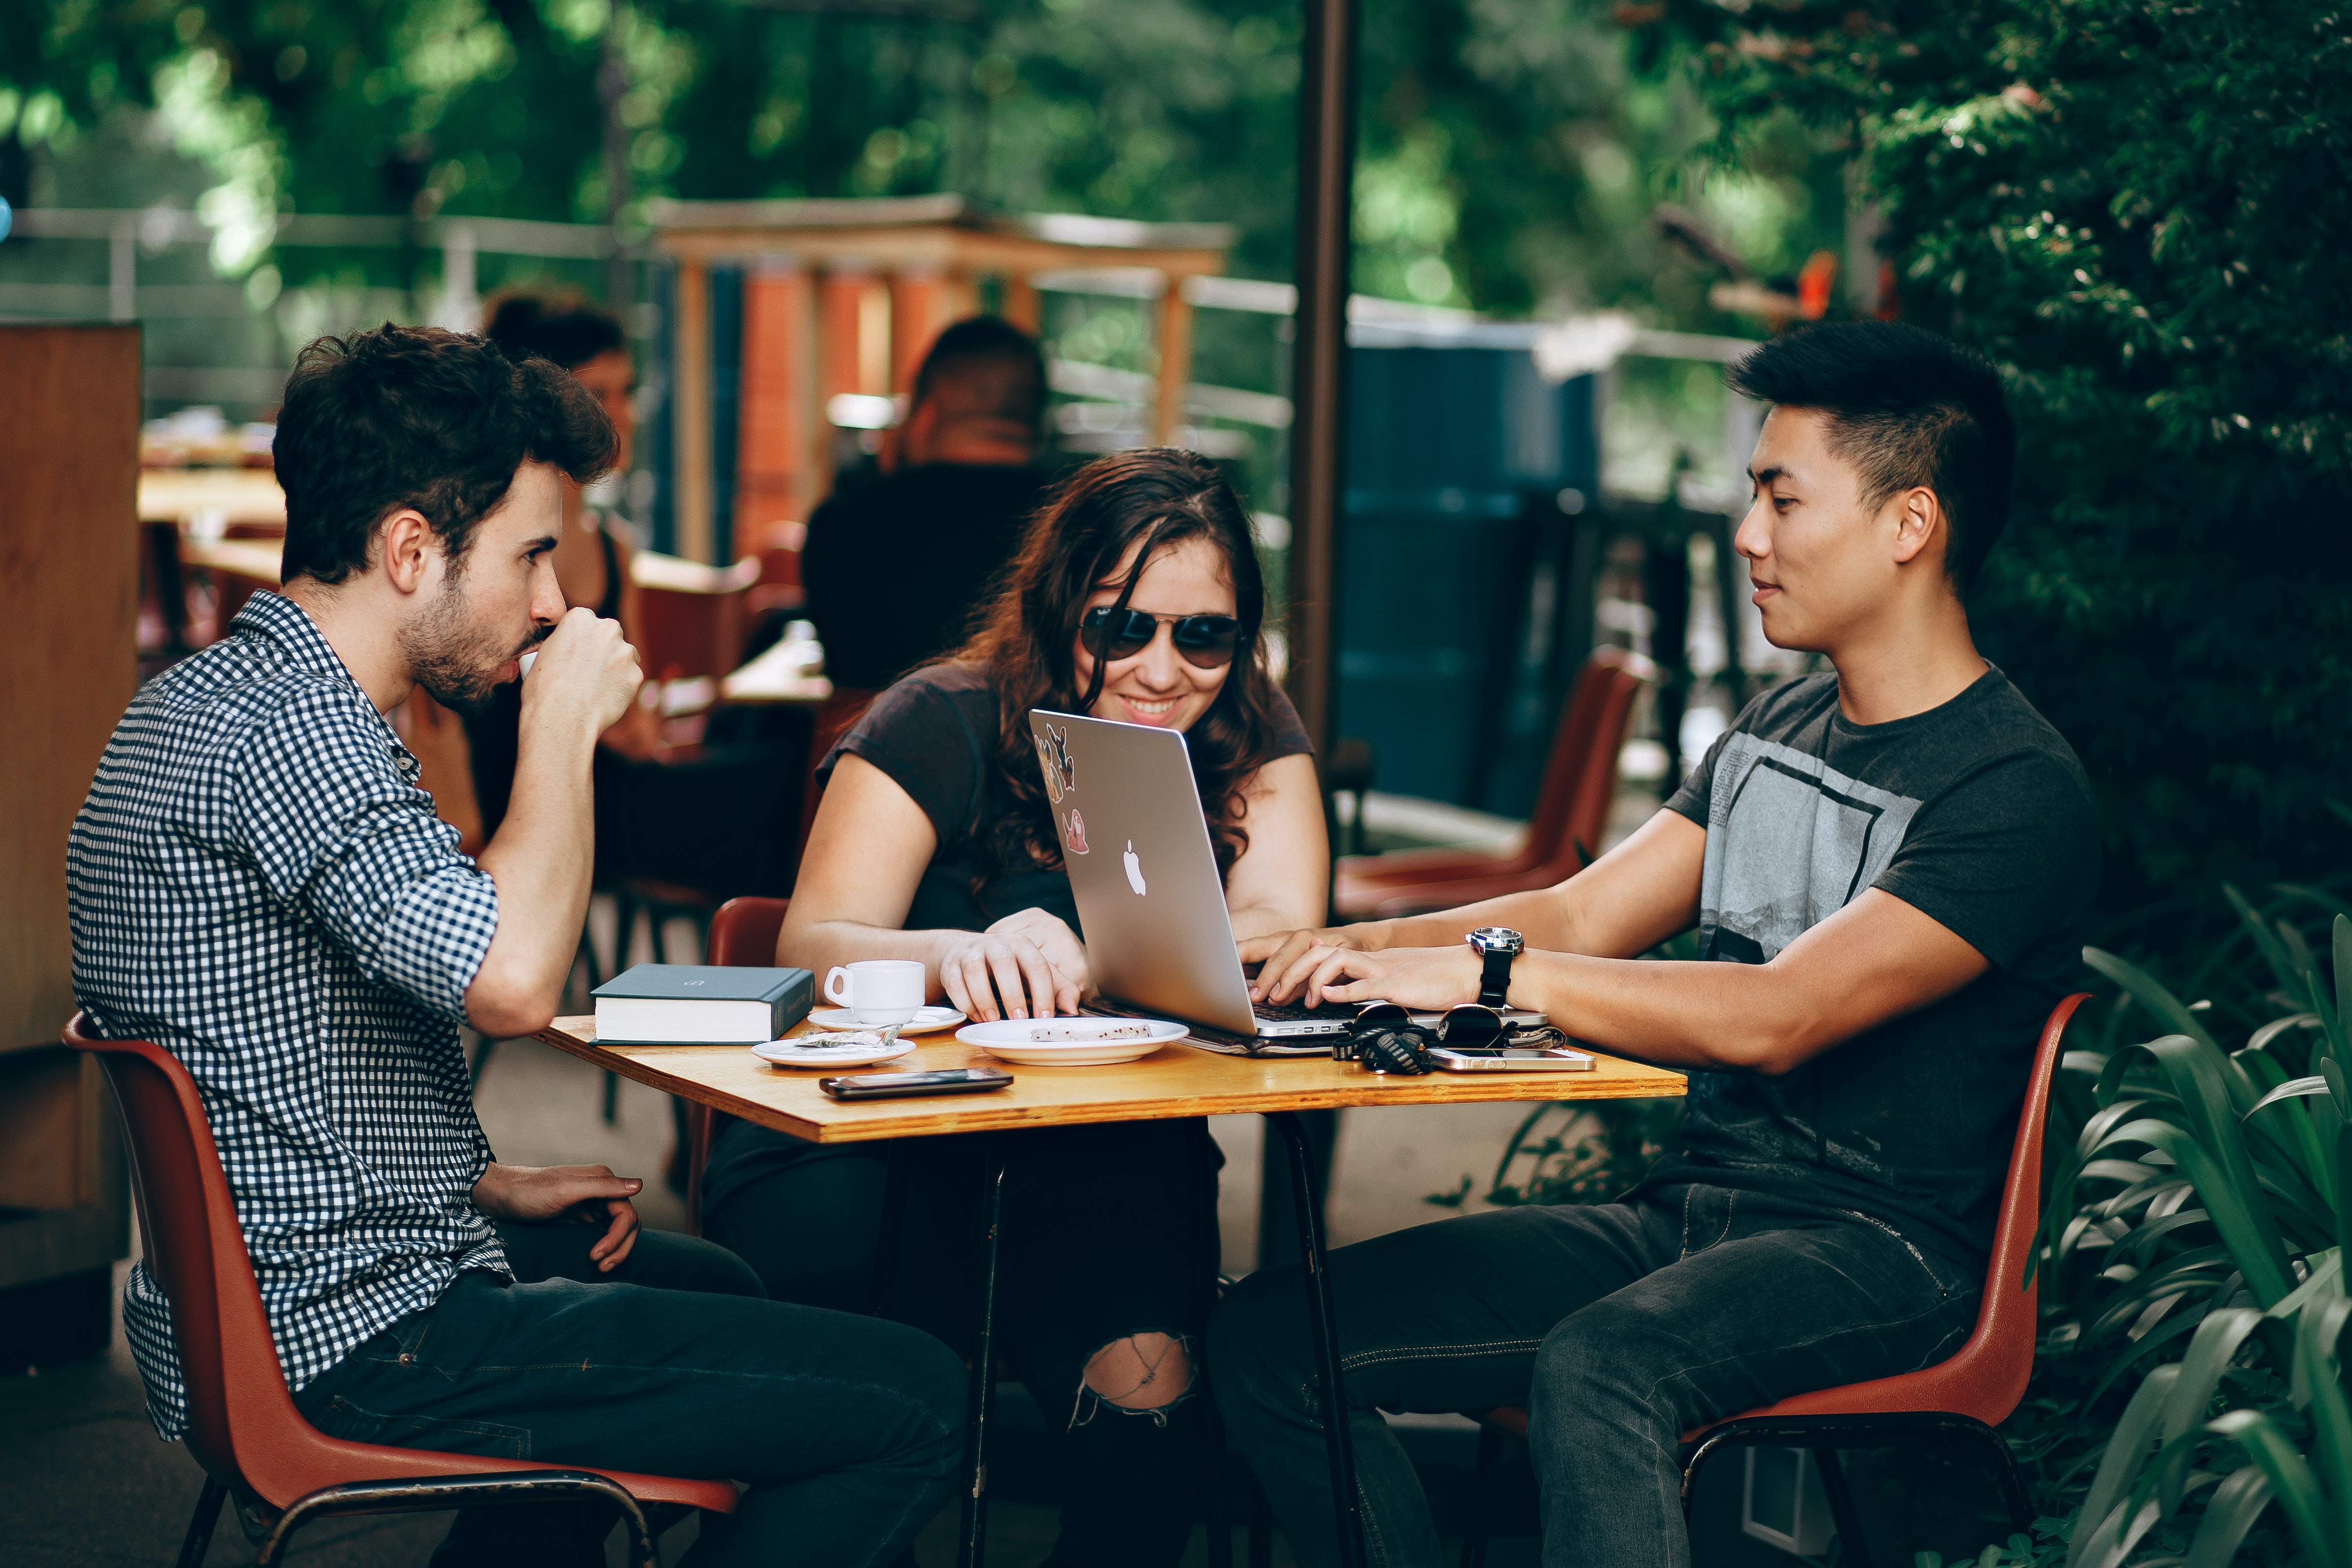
pixel 415 416
pixel 1027 636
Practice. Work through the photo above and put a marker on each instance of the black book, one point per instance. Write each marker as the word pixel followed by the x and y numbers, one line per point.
pixel 700 1004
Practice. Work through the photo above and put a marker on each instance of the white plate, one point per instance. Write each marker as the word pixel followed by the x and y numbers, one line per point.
pixel 927 1021
pixel 1015 1040
pixel 864 1051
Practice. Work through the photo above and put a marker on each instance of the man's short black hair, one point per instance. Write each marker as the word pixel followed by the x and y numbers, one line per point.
pixel 415 416
pixel 1908 408
pixel 564 328
pixel 984 367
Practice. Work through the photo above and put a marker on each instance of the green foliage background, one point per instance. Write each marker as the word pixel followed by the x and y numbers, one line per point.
pixel 2139 207
pixel 1511 150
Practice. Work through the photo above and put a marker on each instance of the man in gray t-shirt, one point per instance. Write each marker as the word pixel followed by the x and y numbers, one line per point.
pixel 1887 868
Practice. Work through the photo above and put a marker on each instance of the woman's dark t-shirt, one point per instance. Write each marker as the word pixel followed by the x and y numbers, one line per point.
pixel 1977 814
pixel 934 734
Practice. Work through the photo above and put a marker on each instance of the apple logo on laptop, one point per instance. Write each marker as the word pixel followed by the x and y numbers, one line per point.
pixel 1134 868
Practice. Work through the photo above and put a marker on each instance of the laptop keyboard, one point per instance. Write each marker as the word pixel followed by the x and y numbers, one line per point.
pixel 1292 1012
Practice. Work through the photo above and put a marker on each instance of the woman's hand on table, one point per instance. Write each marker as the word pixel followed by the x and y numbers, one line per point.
pixel 586 1194
pixel 1031 960
pixel 1283 959
pixel 1421 978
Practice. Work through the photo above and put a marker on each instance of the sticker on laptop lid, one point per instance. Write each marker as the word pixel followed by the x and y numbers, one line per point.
pixel 1064 763
pixel 1053 774
pixel 1074 832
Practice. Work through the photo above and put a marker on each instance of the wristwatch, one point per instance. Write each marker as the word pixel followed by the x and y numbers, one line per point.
pixel 1497 945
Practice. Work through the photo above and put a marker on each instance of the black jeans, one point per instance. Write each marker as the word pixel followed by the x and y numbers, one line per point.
pixel 1109 1231
pixel 1620 1326
pixel 847 1429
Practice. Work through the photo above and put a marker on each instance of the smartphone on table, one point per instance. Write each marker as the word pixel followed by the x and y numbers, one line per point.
pixel 899 1085
pixel 1510 1059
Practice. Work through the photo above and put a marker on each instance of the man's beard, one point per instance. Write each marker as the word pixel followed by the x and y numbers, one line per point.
pixel 457 662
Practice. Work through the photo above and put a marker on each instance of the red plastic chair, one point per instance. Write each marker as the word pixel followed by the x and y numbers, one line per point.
pixel 243 1426
pixel 1571 810
pixel 1960 1399
pixel 743 936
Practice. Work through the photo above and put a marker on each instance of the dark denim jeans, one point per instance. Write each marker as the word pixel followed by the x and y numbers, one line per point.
pixel 1109 1231
pixel 849 1429
pixel 1620 1326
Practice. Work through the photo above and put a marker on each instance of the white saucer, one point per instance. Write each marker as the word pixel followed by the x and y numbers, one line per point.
pixel 929 1020
pixel 1014 1039
pixel 863 1051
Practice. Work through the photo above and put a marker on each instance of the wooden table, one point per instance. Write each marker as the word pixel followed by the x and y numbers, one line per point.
pixel 255 561
pixel 776 678
pixel 1177 1080
pixel 232 495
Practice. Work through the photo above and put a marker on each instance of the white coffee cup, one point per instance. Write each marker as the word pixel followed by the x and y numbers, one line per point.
pixel 877 990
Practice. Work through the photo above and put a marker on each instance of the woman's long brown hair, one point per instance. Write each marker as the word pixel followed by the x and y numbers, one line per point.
pixel 1028 633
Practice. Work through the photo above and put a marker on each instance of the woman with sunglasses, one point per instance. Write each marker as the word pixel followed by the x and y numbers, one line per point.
pixel 1135 596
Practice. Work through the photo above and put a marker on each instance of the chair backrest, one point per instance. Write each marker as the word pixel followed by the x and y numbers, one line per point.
pixel 242 1423
pixel 1581 774
pixel 691 616
pixel 834 717
pixel 743 932
pixel 1985 1378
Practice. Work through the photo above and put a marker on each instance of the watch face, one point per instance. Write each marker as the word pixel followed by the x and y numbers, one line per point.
pixel 1497 939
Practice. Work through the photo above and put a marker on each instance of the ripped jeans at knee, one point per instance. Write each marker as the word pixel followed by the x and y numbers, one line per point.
pixel 1143 1375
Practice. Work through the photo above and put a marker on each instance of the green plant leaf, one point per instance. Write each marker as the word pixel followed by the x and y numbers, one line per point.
pixel 2295 1088
pixel 2267 942
pixel 2239 1212
pixel 2144 990
pixel 2230 1513
pixel 2291 1479
pixel 2342 949
pixel 2105 1505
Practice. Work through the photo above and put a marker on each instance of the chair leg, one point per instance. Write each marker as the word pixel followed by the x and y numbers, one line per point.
pixel 1261 1529
pixel 433 1494
pixel 1216 1500
pixel 199 1539
pixel 972 1550
pixel 1854 1547
pixel 1482 1497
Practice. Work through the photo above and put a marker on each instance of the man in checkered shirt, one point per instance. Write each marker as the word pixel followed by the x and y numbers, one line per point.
pixel 258 885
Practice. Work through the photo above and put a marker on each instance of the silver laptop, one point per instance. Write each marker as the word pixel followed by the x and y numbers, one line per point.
pixel 1144 875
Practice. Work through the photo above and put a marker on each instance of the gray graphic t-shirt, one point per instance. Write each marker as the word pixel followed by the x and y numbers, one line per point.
pixel 1975 813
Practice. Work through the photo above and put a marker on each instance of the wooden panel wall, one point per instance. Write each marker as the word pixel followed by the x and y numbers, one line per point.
pixel 68 599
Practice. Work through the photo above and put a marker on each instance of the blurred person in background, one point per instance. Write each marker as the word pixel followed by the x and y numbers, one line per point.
pixel 591 557
pixel 903 549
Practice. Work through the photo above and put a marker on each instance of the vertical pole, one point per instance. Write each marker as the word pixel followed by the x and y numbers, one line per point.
pixel 972 1549
pixel 690 403
pixel 612 84
pixel 1021 302
pixel 1330 1385
pixel 1327 158
pixel 1175 361
pixel 121 272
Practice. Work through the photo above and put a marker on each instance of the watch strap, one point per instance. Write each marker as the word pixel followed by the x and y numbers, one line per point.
pixel 1495 979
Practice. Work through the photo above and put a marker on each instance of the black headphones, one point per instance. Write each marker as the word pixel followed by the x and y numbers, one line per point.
pixel 1384 1037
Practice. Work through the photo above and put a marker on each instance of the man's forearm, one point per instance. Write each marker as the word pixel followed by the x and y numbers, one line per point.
pixel 1545 917
pixel 1676 1014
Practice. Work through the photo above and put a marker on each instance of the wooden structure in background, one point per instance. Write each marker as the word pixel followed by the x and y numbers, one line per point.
pixel 845 297
pixel 69 598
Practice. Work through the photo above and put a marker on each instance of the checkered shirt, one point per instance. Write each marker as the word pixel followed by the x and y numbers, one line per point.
pixel 258 886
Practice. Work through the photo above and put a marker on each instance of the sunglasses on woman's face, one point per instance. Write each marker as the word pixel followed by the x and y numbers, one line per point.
pixel 1205 642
